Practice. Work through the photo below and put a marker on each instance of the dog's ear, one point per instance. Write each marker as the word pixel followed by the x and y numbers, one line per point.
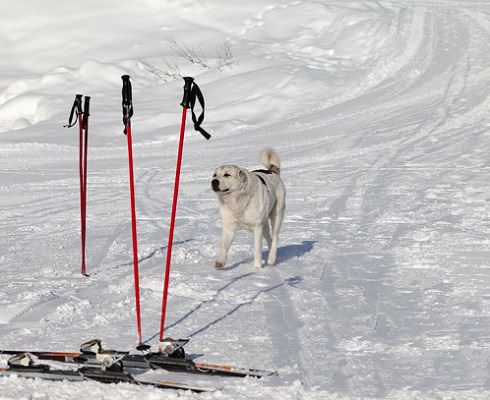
pixel 243 179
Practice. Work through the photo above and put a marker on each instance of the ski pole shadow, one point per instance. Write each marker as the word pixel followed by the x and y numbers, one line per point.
pixel 150 255
pixel 290 282
pixel 153 253
pixel 284 253
pixel 237 264
pixel 203 303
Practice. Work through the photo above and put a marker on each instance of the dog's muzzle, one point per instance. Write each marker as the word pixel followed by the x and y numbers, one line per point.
pixel 215 185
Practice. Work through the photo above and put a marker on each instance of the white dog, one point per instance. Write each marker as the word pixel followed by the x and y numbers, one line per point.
pixel 247 201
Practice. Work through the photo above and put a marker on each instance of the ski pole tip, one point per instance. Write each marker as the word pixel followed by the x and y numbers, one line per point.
pixel 143 347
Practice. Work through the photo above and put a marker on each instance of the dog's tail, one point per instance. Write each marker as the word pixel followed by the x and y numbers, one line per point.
pixel 271 161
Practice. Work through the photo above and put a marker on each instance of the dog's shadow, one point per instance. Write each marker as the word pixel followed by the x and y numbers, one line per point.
pixel 284 253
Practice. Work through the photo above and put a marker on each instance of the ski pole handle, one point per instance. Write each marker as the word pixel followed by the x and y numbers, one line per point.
pixel 86 111
pixel 187 92
pixel 126 91
pixel 77 105
pixel 127 101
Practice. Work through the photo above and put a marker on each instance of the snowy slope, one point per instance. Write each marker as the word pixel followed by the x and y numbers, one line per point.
pixel 379 111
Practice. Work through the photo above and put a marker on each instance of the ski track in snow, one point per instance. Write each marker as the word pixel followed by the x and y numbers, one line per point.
pixel 381 287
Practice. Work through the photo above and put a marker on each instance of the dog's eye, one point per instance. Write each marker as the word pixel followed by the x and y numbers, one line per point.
pixel 226 175
pixel 214 176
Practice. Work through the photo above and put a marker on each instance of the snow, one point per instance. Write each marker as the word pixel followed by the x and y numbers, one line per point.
pixel 379 112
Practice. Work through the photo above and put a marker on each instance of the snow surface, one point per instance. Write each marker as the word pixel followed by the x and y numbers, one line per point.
pixel 379 111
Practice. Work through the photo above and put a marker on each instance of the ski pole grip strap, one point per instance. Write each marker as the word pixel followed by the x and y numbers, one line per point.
pixel 196 94
pixel 77 105
pixel 127 101
pixel 86 111
pixel 187 92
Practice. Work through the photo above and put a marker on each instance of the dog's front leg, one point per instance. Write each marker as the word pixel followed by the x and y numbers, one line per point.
pixel 226 238
pixel 258 232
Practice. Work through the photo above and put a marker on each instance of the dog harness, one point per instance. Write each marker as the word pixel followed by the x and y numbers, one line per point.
pixel 263 171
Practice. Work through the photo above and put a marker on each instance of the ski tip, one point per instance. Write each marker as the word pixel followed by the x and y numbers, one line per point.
pixel 177 385
pixel 235 371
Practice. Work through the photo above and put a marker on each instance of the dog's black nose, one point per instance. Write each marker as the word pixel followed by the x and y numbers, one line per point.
pixel 215 184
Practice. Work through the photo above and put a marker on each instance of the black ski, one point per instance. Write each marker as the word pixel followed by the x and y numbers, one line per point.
pixel 24 365
pixel 172 358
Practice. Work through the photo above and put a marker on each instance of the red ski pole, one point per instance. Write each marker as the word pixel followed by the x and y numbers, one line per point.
pixel 127 106
pixel 185 105
pixel 83 176
pixel 77 107
pixel 82 188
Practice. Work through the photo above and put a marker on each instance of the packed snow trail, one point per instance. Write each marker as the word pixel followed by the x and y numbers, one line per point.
pixel 379 112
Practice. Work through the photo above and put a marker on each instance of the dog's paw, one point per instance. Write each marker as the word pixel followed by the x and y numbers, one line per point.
pixel 271 261
pixel 257 265
pixel 219 264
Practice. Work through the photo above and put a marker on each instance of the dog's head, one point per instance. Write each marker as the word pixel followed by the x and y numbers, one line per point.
pixel 228 179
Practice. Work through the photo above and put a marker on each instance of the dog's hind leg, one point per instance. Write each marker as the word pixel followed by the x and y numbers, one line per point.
pixel 267 234
pixel 226 238
pixel 258 232
pixel 277 216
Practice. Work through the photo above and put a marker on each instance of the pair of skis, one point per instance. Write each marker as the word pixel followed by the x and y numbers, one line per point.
pixel 82 115
pixel 110 366
pixel 24 365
